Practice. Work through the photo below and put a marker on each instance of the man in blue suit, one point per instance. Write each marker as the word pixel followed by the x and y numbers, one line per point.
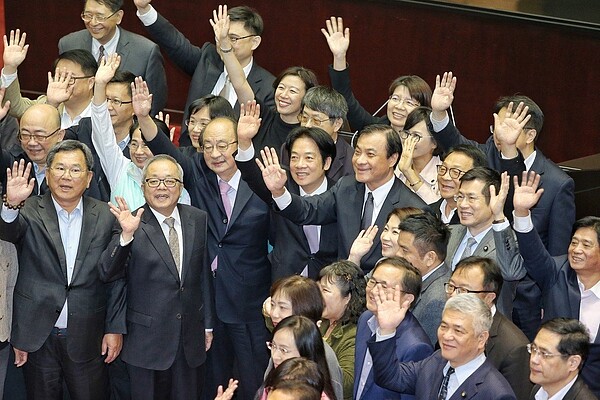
pixel 412 343
pixel 459 370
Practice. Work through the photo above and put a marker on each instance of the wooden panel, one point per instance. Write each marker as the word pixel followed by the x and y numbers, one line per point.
pixel 491 55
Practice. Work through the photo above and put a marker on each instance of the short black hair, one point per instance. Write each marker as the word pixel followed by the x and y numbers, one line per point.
pixel 306 75
pixel 71 145
pixel 393 143
pixel 252 20
pixel 125 78
pixel 417 87
pixel 217 106
pixel 492 276
pixel 537 116
pixel 473 152
pixel 81 57
pixel 487 175
pixel 574 337
pixel 321 138
pixel 411 279
pixel 430 233
pixel 588 222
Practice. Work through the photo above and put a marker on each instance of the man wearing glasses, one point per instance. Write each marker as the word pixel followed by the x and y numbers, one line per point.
pixel 103 37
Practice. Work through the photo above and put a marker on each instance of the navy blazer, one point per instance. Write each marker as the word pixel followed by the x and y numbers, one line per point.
pixel 412 344
pixel 343 203
pixel 205 66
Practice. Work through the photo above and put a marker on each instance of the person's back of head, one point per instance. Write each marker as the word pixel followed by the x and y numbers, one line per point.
pixel 296 369
pixel 293 390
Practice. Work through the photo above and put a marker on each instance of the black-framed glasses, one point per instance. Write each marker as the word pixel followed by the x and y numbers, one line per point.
pixel 87 17
pixel 372 282
pixel 305 119
pixel 455 173
pixel 234 39
pixel 450 288
pixel 394 99
pixel 405 134
pixel 168 182
pixel 76 78
pixel 534 350
pixel 60 171
pixel 26 137
pixel 221 147
pixel 117 102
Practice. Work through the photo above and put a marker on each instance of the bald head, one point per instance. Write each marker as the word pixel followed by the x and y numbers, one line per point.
pixel 39 130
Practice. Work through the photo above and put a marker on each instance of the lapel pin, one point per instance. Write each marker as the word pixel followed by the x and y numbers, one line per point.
pixel 485 248
pixel 463 394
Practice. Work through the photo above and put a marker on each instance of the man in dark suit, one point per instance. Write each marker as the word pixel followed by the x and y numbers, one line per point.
pixel 373 192
pixel 505 348
pixel 161 251
pixel 569 283
pixel 412 343
pixel 558 353
pixel 204 64
pixel 422 240
pixel 459 370
pixel 103 37
pixel 67 323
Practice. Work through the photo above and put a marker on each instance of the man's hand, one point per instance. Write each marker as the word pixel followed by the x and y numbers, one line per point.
pixel 508 129
pixel 362 244
pixel 112 343
pixel 59 87
pixel 338 40
pixel 20 357
pixel 497 200
pixel 220 25
pixel 443 95
pixel 128 222
pixel 228 393
pixel 208 339
pixel 273 175
pixel 6 107
pixel 141 98
pixel 107 68
pixel 527 193
pixel 248 124
pixel 15 51
pixel 18 185
pixel 390 312
pixel 166 118
pixel 143 6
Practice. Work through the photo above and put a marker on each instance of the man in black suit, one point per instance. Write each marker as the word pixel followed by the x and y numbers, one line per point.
pixel 161 251
pixel 558 353
pixel 204 64
pixel 372 193
pixel 505 348
pixel 67 323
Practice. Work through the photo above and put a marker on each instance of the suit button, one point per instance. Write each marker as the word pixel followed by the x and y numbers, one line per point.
pixel 225 220
pixel 220 245
pixel 178 316
pixel 181 289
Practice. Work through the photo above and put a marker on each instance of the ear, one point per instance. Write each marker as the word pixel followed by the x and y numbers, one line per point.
pixel 530 135
pixel 430 258
pixel 91 82
pixel 89 178
pixel 489 298
pixel 256 42
pixel 393 160
pixel 119 16
pixel 483 338
pixel 574 362
pixel 60 135
pixel 327 164
pixel 411 297
pixel 337 124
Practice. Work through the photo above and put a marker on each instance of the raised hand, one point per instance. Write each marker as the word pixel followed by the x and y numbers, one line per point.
pixel 141 98
pixel 248 124
pixel 60 88
pixel 443 94
pixel 273 175
pixel 527 193
pixel 508 128
pixel 6 107
pixel 406 158
pixel 497 200
pixel 128 222
pixel 107 68
pixel 143 6
pixel 391 310
pixel 228 393
pixel 362 244
pixel 15 51
pixel 18 184
pixel 220 25
pixel 166 118
pixel 338 39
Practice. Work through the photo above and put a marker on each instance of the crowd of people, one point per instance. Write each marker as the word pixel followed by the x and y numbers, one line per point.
pixel 267 257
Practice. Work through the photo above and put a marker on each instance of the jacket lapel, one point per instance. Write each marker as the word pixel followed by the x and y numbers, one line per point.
pixel 152 229
pixel 50 220
pixel 88 229
pixel 456 236
pixel 188 228
pixel 243 195
pixel 123 46
pixel 486 245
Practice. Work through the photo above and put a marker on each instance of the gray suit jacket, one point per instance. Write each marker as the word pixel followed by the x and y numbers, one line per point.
pixel 430 304
pixel 501 247
pixel 139 55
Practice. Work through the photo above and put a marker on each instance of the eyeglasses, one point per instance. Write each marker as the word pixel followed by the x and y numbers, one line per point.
pixel 60 171
pixel 117 102
pixel 470 199
pixel 87 17
pixel 221 147
pixel 133 146
pixel 192 124
pixel 534 350
pixel 406 134
pixel 305 119
pixel 75 78
pixel 525 128
pixel 26 137
pixel 234 39
pixel 168 182
pixel 372 282
pixel 455 173
pixel 408 102
pixel 450 288
pixel 273 347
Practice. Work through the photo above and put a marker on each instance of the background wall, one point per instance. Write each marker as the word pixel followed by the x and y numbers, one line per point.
pixel 492 55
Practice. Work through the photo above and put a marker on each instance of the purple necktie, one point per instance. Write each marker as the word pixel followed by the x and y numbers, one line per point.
pixel 224 188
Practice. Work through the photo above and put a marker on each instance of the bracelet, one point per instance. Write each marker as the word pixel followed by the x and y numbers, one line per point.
pixel 415 184
pixel 10 206
pixel 229 50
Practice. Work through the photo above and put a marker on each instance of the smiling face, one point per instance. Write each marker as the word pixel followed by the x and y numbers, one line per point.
pixel 120 116
pixel 284 346
pixel 40 120
pixel 139 151
pixel 370 161
pixel 281 307
pixel 448 185
pixel 162 198
pixel 198 120
pixel 220 132
pixel 476 213
pixel 389 236
pixel 398 109
pixel 306 164
pixel 334 303
pixel 65 188
pixel 584 252
pixel 101 31
pixel 458 340
pixel 288 97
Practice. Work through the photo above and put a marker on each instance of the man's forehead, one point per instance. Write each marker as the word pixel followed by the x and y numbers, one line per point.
pixel 237 28
pixel 219 130
pixel 70 66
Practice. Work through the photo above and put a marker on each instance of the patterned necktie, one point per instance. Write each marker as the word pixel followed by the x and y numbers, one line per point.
pixel 173 242
pixel 444 387
pixel 100 54
pixel 471 244
pixel 367 216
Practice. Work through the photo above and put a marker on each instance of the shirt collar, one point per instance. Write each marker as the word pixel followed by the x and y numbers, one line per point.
pixel 234 182
pixel 466 370
pixel 321 189
pixel 543 395
pixel 381 192
pixel 529 160
pixel 161 218
pixel 110 47
pixel 59 208
pixel 479 237
pixel 594 289
pixel 372 323
pixel 427 275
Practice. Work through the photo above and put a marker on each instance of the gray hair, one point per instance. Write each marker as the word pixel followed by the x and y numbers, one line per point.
pixel 71 145
pixel 470 304
pixel 325 100
pixel 159 158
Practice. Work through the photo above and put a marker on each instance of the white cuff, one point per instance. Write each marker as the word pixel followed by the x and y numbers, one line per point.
pixel 284 200
pixel 379 337
pixel 8 215
pixel 439 125
pixel 245 155
pixel 8 79
pixel 149 18
pixel 522 224
pixel 124 243
pixel 501 226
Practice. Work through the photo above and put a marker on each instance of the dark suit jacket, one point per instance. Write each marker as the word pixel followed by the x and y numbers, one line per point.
pixel 506 350
pixel 560 294
pixel 205 66
pixel 291 251
pixel 243 277
pixel 412 344
pixel 435 207
pixel 343 203
pixel 579 391
pixel 95 308
pixel 163 309
pixel 429 306
pixel 424 378
pixel 139 55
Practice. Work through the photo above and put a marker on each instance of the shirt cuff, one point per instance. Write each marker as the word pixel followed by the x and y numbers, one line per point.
pixel 522 224
pixel 501 226
pixel 8 79
pixel 284 200
pixel 208 330
pixel 124 243
pixel 8 215
pixel 380 338
pixel 245 155
pixel 439 125
pixel 149 18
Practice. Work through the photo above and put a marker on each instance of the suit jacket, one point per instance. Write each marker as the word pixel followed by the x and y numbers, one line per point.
pixel 430 304
pixel 139 55
pixel 506 351
pixel 162 308
pixel 343 203
pixel 501 247
pixel 560 294
pixel 205 66
pixel 95 308
pixel 435 207
pixel 579 391
pixel 424 378
pixel 243 277
pixel 412 344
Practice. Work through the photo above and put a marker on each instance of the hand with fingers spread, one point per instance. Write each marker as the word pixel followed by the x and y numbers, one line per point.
pixel 362 244
pixel 128 222
pixel 18 184
pixel 509 127
pixel 60 88
pixel 107 68
pixel 527 193
pixel 141 98
pixel 443 95
pixel 273 175
pixel 166 118
pixel 338 39
pixel 497 200
pixel 405 164
pixel 228 393
pixel 391 310
pixel 15 51
pixel 248 124
pixel 220 24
